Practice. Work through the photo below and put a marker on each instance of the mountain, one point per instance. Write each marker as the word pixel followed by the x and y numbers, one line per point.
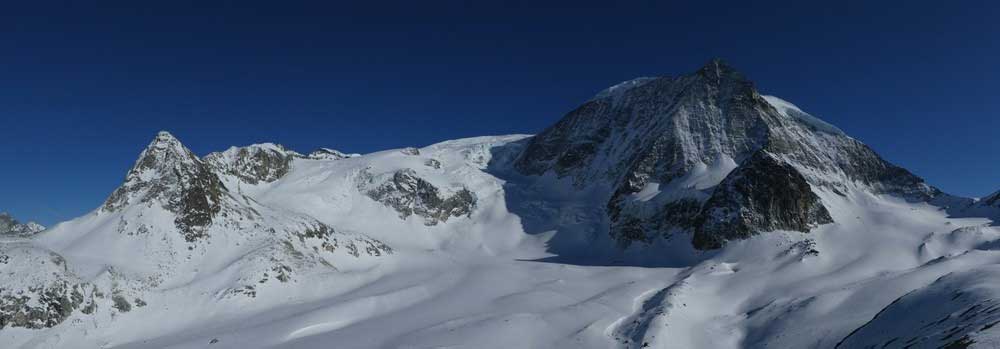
pixel 10 226
pixel 665 212
pixel 253 164
pixel 174 223
pixel 993 200
pixel 708 154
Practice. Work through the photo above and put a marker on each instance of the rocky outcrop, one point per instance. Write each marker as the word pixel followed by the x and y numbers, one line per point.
pixel 763 194
pixel 44 306
pixel 171 175
pixel 254 164
pixel 688 133
pixel 11 226
pixel 330 154
pixel 410 195
pixel 39 290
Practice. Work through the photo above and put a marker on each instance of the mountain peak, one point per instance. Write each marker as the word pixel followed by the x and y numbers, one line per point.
pixel 698 132
pixel 169 172
pixel 166 141
pixel 10 225
pixel 717 69
pixel 165 135
pixel 165 148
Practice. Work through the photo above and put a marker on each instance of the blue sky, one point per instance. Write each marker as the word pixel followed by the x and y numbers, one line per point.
pixel 85 88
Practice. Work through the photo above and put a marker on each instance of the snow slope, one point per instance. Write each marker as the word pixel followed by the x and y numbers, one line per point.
pixel 453 245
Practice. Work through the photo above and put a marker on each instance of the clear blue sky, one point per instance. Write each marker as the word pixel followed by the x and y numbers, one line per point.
pixel 85 88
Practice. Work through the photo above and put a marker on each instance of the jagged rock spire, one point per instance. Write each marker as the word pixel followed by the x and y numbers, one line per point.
pixel 171 175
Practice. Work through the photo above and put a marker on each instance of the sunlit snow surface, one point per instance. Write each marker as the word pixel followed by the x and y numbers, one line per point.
pixel 494 279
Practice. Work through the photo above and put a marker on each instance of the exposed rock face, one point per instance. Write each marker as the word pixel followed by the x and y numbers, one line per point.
pixel 410 195
pixel 10 226
pixel 331 240
pixel 330 154
pixel 764 194
pixel 258 163
pixel 688 134
pixel 432 163
pixel 171 175
pixel 43 307
pixel 39 291
pixel 174 214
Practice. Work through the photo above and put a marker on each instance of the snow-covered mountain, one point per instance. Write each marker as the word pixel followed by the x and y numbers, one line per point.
pixel 10 226
pixel 709 155
pixel 666 212
pixel 991 201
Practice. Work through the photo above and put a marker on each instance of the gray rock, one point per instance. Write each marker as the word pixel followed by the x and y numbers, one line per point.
pixel 658 130
pixel 410 195
pixel 763 194
pixel 39 290
pixel 52 304
pixel 11 226
pixel 172 175
pixel 120 303
pixel 330 154
pixel 433 163
pixel 259 163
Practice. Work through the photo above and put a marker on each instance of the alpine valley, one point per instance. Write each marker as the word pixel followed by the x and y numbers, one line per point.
pixel 666 212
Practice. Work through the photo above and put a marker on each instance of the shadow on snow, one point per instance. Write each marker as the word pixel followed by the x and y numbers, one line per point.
pixel 575 219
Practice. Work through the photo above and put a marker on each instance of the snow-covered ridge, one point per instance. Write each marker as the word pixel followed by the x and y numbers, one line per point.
pixel 623 87
pixel 792 111
pixel 331 154
pixel 11 226
pixel 515 241
pixel 667 130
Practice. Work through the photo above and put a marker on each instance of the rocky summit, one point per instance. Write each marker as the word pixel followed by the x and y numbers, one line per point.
pixel 665 212
pixel 11 226
pixel 714 141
